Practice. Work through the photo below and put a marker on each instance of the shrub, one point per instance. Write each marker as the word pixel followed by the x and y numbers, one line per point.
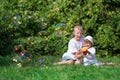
pixel 23 19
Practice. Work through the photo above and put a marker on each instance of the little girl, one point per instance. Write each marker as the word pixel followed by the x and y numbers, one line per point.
pixel 90 55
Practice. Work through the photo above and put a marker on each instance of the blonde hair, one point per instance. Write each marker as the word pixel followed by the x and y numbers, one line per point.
pixel 78 27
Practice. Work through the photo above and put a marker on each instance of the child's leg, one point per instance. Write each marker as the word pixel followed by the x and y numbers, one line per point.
pixel 69 62
pixel 59 63
pixel 95 63
pixel 78 62
pixel 64 62
pixel 86 63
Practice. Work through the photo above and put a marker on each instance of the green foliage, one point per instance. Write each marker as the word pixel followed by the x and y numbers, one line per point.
pixel 54 44
pixel 47 21
pixel 35 71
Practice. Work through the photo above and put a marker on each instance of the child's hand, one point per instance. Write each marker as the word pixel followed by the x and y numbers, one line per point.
pixel 79 55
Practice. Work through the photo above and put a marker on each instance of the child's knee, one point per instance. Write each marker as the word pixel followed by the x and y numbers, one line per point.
pixel 70 62
pixel 77 62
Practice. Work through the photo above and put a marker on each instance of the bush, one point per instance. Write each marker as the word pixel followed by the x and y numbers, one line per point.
pixel 23 19
pixel 44 44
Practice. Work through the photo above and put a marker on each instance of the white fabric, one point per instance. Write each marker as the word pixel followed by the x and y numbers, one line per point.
pixel 73 47
pixel 89 38
pixel 90 58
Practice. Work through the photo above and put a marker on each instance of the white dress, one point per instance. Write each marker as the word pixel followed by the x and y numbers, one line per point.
pixel 90 58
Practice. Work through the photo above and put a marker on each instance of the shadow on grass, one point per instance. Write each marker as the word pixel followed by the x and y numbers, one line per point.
pixel 5 61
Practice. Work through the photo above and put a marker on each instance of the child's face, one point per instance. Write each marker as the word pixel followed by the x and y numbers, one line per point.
pixel 78 34
pixel 87 43
pixel 16 49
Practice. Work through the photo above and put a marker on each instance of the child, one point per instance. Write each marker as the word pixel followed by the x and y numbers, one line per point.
pixel 88 52
pixel 89 57
pixel 73 47
pixel 19 50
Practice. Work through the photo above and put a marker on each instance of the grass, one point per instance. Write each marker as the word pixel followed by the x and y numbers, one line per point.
pixel 33 70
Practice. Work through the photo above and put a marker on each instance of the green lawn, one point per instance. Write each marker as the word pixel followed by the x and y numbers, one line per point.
pixel 33 70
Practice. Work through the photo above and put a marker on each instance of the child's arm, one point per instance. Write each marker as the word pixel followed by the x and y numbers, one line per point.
pixel 79 54
pixel 92 51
